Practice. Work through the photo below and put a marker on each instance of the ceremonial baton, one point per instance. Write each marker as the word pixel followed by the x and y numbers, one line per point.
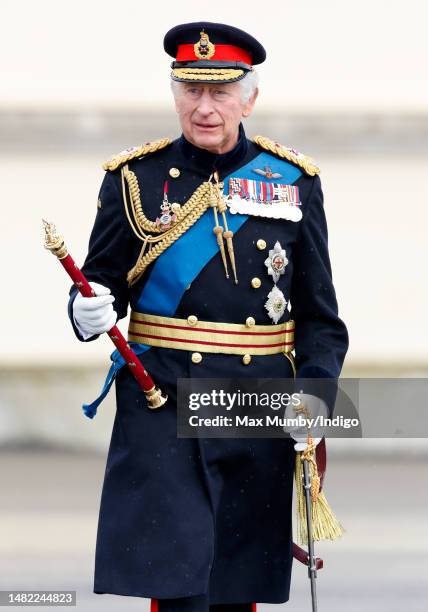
pixel 55 244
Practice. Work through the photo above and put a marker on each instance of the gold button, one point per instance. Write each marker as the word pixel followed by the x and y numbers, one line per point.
pixel 256 282
pixel 174 172
pixel 261 244
pixel 246 359
pixel 196 357
pixel 250 322
pixel 192 320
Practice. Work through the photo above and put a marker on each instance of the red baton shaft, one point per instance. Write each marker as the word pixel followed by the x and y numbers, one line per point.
pixel 55 243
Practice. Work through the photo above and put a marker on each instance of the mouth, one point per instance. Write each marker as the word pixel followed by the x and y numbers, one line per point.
pixel 207 127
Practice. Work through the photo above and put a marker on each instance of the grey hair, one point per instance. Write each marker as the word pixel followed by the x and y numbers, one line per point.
pixel 248 84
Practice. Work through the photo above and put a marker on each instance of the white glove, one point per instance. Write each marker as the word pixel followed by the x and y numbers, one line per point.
pixel 299 433
pixel 94 315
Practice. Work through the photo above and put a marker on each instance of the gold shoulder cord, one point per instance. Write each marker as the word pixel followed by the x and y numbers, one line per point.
pixel 143 228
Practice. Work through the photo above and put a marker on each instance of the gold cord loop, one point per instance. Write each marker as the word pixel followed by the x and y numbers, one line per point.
pixel 144 229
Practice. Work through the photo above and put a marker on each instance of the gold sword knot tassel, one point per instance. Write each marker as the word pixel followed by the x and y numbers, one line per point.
pixel 228 234
pixel 217 229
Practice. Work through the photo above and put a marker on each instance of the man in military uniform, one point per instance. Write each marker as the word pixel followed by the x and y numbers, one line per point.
pixel 219 244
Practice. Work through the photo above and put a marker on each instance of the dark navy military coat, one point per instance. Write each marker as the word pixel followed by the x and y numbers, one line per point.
pixel 182 516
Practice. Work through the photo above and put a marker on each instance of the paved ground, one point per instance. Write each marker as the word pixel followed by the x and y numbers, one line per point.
pixel 48 516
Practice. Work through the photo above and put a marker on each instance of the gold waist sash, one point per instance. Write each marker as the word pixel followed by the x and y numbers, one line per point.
pixel 209 336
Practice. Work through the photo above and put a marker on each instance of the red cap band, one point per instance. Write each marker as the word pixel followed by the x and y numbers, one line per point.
pixel 229 53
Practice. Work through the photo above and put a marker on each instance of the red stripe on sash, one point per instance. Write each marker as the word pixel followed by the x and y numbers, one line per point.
pixel 215 331
pixel 206 343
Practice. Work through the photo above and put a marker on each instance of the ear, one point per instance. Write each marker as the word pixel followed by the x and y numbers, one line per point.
pixel 248 106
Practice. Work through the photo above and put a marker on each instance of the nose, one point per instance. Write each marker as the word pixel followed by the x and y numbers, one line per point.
pixel 205 104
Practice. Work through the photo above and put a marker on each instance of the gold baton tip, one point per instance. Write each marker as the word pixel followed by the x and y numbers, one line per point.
pixel 155 398
pixel 54 242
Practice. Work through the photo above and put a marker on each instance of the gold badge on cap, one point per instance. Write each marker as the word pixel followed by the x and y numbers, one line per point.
pixel 204 49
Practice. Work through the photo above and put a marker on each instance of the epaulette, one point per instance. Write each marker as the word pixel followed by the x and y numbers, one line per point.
pixel 133 152
pixel 288 153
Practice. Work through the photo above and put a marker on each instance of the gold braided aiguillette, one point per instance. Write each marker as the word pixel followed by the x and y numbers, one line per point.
pixel 187 215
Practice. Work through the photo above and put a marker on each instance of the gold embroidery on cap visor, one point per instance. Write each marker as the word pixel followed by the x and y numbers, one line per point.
pixel 207 74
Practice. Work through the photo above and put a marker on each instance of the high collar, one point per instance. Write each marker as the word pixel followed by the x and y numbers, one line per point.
pixel 206 162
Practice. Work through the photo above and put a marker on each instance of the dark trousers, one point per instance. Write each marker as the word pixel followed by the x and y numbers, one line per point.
pixel 200 603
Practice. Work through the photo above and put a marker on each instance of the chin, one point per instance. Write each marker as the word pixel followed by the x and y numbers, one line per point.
pixel 207 141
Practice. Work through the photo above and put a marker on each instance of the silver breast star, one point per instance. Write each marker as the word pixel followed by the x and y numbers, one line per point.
pixel 276 262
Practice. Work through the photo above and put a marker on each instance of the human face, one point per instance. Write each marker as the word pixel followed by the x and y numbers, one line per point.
pixel 210 114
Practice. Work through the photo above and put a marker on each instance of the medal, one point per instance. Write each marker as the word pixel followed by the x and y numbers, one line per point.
pixel 262 199
pixel 167 216
pixel 275 264
pixel 275 304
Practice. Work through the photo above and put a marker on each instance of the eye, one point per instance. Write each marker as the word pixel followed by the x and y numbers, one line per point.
pixel 219 94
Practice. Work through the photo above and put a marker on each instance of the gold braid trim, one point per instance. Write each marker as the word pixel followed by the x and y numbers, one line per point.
pixel 193 209
pixel 287 153
pixel 207 74
pixel 133 152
